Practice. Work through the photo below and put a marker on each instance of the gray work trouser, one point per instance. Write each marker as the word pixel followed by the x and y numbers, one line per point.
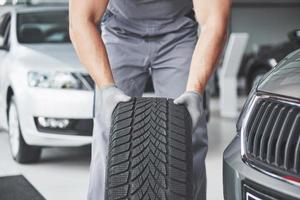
pixel 131 57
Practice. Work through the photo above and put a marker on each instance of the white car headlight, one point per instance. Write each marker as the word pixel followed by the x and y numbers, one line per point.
pixel 56 80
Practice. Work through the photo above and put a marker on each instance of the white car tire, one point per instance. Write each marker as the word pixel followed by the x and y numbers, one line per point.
pixel 21 152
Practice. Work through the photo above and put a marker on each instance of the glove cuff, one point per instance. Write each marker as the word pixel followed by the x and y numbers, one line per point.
pixel 194 93
pixel 106 87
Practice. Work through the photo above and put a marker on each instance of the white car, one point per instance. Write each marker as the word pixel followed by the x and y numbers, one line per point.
pixel 46 96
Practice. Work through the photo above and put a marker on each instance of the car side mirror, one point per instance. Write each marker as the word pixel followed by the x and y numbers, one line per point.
pixel 294 36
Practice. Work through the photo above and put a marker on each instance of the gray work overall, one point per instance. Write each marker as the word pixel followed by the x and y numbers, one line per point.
pixel 140 35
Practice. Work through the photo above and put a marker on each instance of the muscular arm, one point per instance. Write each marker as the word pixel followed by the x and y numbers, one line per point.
pixel 86 39
pixel 212 15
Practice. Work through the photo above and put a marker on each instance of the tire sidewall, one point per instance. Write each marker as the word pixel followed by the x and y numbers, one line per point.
pixel 13 103
pixel 25 153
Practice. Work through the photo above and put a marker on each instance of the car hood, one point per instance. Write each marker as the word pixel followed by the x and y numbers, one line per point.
pixel 283 80
pixel 50 56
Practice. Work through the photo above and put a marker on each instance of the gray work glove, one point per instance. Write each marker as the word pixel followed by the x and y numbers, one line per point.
pixel 193 101
pixel 109 97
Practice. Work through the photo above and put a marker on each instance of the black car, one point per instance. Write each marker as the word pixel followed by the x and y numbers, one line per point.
pixel 254 65
pixel 263 160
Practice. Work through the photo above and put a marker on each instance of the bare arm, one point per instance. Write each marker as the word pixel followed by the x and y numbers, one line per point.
pixel 86 39
pixel 212 15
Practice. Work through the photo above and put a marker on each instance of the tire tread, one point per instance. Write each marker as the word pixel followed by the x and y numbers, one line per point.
pixel 150 156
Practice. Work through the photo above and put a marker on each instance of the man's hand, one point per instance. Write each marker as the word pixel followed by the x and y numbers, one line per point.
pixel 193 102
pixel 109 97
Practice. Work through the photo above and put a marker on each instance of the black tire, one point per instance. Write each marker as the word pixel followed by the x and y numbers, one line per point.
pixel 150 151
pixel 25 153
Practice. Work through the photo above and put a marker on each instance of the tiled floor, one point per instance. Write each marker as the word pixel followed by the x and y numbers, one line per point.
pixel 63 172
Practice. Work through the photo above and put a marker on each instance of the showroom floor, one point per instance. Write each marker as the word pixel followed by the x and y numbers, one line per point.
pixel 63 172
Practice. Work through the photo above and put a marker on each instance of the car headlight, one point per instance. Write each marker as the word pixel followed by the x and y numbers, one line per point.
pixel 56 80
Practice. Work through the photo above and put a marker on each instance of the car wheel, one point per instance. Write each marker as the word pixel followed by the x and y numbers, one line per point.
pixel 21 152
pixel 150 151
pixel 253 77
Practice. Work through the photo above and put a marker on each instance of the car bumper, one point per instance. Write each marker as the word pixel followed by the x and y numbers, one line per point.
pixel 58 104
pixel 237 174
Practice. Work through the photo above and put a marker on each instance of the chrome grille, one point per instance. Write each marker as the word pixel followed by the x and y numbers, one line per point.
pixel 273 136
pixel 89 80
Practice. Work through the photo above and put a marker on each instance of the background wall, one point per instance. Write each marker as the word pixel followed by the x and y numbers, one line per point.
pixel 267 21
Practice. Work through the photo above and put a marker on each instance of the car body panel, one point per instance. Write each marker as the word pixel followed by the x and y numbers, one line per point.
pixel 235 171
pixel 284 80
pixel 51 57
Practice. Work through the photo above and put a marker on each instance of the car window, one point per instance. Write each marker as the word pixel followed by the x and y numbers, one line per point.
pixel 4 29
pixel 1 20
pixel 7 34
pixel 43 27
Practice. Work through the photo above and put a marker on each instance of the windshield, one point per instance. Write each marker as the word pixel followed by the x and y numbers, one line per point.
pixel 43 27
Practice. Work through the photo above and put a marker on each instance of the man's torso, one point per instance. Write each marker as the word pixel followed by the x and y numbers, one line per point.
pixel 150 10
pixel 158 16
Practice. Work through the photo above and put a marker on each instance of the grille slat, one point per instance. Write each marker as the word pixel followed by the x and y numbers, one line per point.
pixel 273 136
pixel 253 129
pixel 289 152
pixel 297 153
pixel 282 138
pixel 89 80
pixel 267 132
pixel 261 127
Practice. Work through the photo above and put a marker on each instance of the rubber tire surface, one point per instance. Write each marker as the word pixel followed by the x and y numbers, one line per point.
pixel 150 151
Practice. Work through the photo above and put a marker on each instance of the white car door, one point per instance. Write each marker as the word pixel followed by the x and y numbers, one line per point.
pixel 4 51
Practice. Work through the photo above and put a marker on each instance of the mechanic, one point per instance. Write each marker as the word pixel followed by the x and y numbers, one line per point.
pixel 139 35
